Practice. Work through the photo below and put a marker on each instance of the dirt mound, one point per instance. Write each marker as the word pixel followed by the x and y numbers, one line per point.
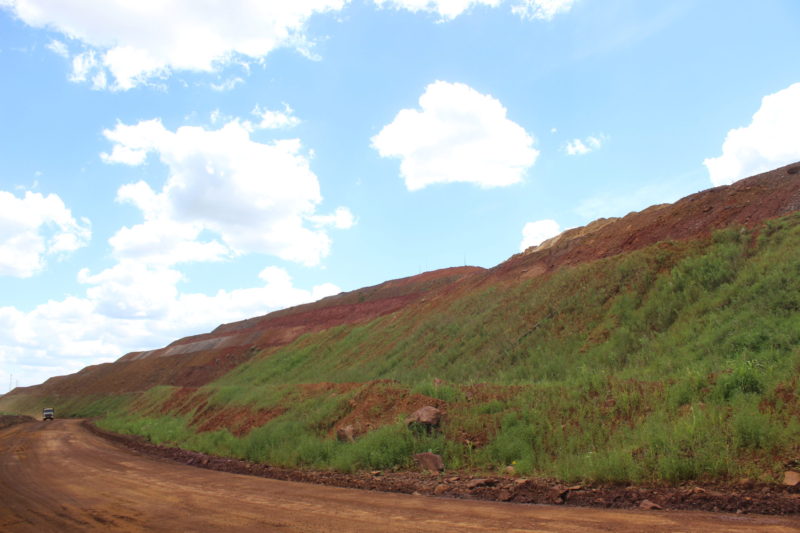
pixel 742 498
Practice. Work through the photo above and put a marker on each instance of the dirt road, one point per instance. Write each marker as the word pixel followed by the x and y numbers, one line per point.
pixel 56 476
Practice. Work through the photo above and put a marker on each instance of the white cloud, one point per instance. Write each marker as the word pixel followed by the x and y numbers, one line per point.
pixel 166 242
pixel 542 9
pixel 34 227
pixel 256 197
pixel 342 218
pixel 227 85
pixel 118 44
pixel 446 9
pixel 459 135
pixel 450 9
pixel 271 120
pixel 224 195
pixel 82 65
pixel 535 233
pixel 131 289
pixel 281 293
pixel 216 116
pixel 583 147
pixel 772 139
pixel 58 48
pixel 126 308
pixel 133 42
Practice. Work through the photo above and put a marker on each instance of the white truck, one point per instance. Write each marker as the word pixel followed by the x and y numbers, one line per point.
pixel 48 413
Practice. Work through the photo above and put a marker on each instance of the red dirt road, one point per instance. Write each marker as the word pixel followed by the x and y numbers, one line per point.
pixel 56 476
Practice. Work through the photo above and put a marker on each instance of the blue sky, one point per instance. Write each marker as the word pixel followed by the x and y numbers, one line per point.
pixel 169 166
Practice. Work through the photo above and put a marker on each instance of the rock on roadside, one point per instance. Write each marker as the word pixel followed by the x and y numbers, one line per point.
pixel 430 461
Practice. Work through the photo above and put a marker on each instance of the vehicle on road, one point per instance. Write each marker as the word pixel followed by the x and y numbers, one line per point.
pixel 48 413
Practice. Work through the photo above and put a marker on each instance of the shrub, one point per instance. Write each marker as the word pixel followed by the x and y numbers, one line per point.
pixel 745 378
pixel 753 429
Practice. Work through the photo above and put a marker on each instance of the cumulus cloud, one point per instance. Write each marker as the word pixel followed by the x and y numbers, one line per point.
pixel 446 9
pixel 535 233
pixel 583 147
pixel 457 135
pixel 772 139
pixel 130 307
pixel 224 195
pixel 118 45
pixel 227 85
pixel 342 218
pixel 58 48
pixel 34 227
pixel 450 9
pixel 131 289
pixel 542 9
pixel 132 42
pixel 272 119
pixel 255 197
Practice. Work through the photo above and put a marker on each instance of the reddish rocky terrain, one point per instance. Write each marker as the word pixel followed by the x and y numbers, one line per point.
pixel 154 490
pixel 745 496
pixel 192 362
pixel 745 203
pixel 197 360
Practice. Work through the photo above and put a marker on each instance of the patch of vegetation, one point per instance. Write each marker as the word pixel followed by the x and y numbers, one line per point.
pixel 675 362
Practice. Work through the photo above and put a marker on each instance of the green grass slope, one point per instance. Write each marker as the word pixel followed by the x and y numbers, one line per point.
pixel 678 361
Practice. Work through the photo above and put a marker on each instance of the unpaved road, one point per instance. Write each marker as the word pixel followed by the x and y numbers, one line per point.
pixel 56 476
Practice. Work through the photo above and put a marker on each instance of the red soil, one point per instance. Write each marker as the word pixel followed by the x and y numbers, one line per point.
pixel 382 403
pixel 197 360
pixel 745 203
pixel 746 496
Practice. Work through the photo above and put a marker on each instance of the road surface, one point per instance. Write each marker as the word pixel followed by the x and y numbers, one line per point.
pixel 57 476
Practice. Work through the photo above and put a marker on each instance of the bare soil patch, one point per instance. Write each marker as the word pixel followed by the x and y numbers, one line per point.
pixel 382 402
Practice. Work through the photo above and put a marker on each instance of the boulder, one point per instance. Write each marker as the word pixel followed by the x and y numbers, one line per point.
pixel 428 416
pixel 647 505
pixel 430 461
pixel 791 478
pixel 481 482
pixel 346 433
pixel 557 495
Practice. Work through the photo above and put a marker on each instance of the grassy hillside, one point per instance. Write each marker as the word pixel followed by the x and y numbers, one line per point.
pixel 677 361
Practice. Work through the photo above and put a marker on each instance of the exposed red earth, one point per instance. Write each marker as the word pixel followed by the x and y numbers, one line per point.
pixel 194 361
pixel 745 203
pixel 197 360
pixel 59 477
pixel 746 496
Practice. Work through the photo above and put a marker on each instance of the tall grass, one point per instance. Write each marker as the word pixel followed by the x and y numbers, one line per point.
pixel 675 362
